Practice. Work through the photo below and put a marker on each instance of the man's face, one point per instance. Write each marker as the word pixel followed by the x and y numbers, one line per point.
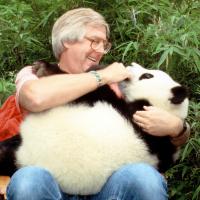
pixel 80 56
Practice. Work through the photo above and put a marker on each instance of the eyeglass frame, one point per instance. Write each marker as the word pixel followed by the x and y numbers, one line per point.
pixel 105 42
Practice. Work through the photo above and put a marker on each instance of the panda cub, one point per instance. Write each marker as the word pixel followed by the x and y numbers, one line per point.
pixel 84 142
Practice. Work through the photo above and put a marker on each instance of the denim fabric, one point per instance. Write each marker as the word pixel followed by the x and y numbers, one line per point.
pixel 131 182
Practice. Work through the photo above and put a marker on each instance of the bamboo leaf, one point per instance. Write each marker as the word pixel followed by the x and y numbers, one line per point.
pixel 163 57
pixel 128 48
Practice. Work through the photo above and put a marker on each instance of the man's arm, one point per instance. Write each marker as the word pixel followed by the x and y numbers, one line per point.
pixel 36 95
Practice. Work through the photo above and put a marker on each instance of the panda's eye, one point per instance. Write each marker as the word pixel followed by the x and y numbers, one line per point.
pixel 146 76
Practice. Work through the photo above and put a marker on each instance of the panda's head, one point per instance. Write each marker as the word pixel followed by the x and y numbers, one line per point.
pixel 156 87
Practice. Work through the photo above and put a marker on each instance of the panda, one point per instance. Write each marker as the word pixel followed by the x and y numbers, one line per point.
pixel 83 142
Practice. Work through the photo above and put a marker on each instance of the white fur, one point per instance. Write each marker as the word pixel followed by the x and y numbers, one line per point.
pixel 79 151
pixel 82 146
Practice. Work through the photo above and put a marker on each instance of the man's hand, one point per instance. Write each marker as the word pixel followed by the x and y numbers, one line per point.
pixel 158 122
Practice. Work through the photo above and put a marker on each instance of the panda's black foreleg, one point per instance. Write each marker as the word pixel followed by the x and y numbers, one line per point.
pixel 7 155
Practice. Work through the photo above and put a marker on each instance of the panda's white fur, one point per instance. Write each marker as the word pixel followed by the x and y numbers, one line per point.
pixel 82 145
pixel 157 90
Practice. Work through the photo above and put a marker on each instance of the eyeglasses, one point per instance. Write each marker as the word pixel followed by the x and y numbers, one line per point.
pixel 96 44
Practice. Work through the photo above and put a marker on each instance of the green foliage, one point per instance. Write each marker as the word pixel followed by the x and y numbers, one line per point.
pixel 162 34
pixel 183 178
pixel 7 87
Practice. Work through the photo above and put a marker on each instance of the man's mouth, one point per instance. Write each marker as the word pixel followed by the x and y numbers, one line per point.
pixel 92 59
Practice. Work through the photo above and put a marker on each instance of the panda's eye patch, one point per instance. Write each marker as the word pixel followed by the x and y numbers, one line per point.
pixel 127 80
pixel 146 76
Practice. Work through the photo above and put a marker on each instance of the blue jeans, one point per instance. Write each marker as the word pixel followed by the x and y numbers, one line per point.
pixel 131 182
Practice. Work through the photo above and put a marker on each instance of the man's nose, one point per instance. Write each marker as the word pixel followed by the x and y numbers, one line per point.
pixel 100 48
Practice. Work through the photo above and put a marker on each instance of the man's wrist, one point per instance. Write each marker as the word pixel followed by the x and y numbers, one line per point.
pixel 182 131
pixel 97 77
pixel 182 136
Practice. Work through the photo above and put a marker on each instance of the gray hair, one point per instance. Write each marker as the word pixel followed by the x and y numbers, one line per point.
pixel 71 27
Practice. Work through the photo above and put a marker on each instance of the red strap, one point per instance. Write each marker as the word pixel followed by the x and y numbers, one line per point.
pixel 10 118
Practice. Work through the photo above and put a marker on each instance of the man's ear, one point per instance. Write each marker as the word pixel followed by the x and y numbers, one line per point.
pixel 116 90
pixel 66 45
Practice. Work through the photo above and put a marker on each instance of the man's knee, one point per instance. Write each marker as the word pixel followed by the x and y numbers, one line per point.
pixel 30 181
pixel 141 180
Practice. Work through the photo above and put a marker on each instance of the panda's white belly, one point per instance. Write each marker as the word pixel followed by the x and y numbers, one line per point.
pixel 80 146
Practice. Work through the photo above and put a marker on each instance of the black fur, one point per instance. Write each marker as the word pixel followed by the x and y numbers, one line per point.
pixel 7 155
pixel 146 76
pixel 179 94
pixel 43 68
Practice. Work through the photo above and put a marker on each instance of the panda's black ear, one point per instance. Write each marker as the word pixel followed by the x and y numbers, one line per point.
pixel 179 94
